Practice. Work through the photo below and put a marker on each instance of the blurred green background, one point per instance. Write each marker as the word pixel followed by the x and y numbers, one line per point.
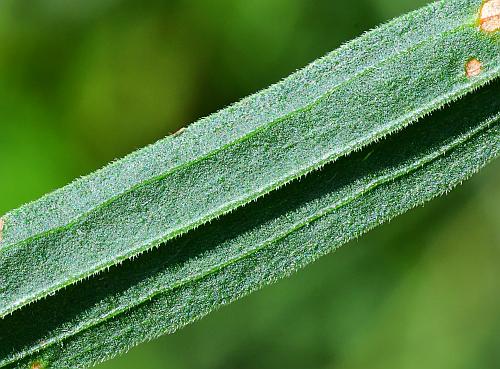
pixel 84 82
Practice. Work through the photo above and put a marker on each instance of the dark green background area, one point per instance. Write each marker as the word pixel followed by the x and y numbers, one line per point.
pixel 85 82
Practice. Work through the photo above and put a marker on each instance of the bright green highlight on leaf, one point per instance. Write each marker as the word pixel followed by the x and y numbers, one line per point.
pixel 349 113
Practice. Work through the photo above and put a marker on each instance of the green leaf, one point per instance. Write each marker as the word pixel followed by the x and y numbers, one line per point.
pixel 371 87
pixel 349 113
pixel 186 278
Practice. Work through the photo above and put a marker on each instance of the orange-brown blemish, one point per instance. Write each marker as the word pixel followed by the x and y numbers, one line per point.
pixel 2 224
pixel 489 18
pixel 473 68
pixel 36 365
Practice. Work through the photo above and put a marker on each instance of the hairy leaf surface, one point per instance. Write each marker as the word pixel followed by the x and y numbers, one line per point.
pixel 188 277
pixel 388 121
pixel 369 88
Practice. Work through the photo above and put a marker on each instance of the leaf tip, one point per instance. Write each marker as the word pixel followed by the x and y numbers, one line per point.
pixel 473 68
pixel 489 18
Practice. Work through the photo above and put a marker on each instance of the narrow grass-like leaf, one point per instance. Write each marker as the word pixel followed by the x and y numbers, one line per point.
pixel 371 87
pixel 188 277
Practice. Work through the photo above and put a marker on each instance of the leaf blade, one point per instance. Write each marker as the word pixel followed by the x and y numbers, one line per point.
pixel 344 200
pixel 377 100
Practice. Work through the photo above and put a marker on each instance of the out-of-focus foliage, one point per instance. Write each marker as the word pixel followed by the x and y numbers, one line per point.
pixel 83 82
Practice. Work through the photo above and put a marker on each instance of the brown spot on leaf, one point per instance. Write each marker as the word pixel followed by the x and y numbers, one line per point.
pixel 489 18
pixel 36 365
pixel 473 68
